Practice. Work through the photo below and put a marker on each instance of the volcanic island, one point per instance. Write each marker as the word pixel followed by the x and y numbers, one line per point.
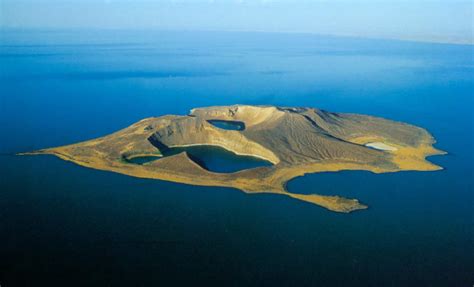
pixel 296 141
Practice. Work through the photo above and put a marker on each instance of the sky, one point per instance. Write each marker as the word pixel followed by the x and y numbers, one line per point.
pixel 423 20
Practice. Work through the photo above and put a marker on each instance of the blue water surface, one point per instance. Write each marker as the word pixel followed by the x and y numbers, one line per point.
pixel 211 158
pixel 228 125
pixel 62 224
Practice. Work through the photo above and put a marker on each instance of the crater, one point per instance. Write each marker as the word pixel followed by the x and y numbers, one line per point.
pixel 217 159
pixel 228 125
pixel 212 158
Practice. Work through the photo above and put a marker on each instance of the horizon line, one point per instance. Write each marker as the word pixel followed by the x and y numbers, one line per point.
pixel 461 42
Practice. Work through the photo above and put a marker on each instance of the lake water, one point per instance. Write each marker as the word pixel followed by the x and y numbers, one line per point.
pixel 62 224
pixel 228 125
pixel 212 158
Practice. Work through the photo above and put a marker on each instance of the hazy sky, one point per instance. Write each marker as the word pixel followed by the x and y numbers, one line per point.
pixel 444 21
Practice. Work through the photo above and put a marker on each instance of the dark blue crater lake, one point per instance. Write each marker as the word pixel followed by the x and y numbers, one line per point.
pixel 228 125
pixel 62 224
pixel 212 158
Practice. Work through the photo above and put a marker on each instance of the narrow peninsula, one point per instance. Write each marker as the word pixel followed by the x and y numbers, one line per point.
pixel 295 141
